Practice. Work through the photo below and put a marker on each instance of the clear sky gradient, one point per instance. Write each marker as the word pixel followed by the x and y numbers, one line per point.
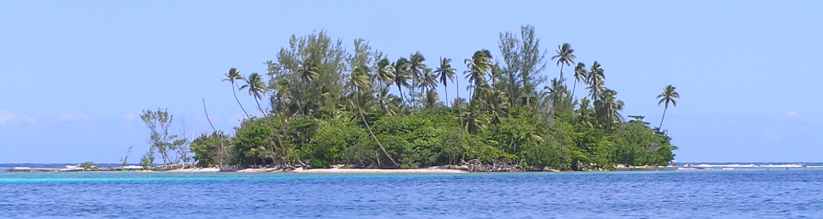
pixel 74 74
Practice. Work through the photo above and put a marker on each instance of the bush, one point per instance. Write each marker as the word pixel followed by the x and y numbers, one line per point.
pixel 207 151
pixel 253 141
pixel 637 144
pixel 337 141
pixel 416 140
pixel 547 153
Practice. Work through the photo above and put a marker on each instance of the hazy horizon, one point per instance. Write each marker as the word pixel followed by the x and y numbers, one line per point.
pixel 76 74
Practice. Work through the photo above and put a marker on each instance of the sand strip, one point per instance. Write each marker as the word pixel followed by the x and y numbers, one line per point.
pixel 341 170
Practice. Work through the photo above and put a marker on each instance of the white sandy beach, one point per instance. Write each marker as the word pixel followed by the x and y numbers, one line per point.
pixel 345 170
pixel 260 170
pixel 342 170
pixel 195 170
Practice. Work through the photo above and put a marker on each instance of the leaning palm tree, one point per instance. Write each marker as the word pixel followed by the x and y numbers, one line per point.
pixel 361 82
pixel 564 55
pixel 446 73
pixel 668 97
pixel 580 74
pixel 256 88
pixel 232 76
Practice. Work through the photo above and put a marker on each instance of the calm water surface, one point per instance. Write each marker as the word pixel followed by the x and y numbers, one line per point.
pixel 698 194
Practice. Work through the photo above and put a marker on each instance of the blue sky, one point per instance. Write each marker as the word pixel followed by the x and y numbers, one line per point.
pixel 75 74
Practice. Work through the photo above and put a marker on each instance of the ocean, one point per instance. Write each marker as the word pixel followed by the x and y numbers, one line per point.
pixel 771 193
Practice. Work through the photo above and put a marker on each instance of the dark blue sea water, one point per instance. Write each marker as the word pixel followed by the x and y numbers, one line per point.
pixel 673 194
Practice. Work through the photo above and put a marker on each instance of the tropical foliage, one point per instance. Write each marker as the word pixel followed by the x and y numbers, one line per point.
pixel 329 105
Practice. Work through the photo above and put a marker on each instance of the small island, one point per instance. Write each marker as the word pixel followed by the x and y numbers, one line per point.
pixel 321 107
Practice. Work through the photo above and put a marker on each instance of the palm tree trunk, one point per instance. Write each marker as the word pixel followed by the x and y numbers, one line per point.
pixel 458 87
pixel 446 91
pixel 257 100
pixel 413 89
pixel 574 88
pixel 234 92
pixel 561 73
pixel 472 92
pixel 660 127
pixel 366 123
pixel 400 88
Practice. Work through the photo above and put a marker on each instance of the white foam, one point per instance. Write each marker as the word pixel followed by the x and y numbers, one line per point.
pixel 725 166
pixel 782 166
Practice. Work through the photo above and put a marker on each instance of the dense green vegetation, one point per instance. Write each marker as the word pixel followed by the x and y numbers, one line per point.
pixel 320 105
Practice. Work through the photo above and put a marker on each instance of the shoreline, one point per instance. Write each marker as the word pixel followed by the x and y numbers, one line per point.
pixel 428 170
pixel 425 170
pixel 23 169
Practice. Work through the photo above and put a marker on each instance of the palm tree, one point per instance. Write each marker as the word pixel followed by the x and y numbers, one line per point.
pixel 281 86
pixel 446 73
pixel 307 73
pixel 401 76
pixel 595 79
pixel 669 96
pixel 610 107
pixel 385 77
pixel 580 74
pixel 385 71
pixel 471 120
pixel 557 91
pixel 360 78
pixel 232 76
pixel 283 98
pixel 256 88
pixel 584 113
pixel 564 56
pixel 479 65
pixel 495 100
pixel 428 81
pixel 417 68
pixel 361 82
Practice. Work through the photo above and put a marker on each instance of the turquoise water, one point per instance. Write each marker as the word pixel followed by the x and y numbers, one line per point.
pixel 676 194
